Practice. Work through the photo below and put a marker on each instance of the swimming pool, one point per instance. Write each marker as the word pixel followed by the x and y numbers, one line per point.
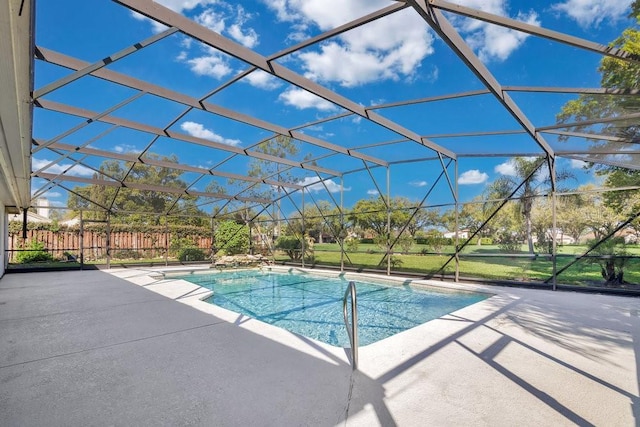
pixel 311 305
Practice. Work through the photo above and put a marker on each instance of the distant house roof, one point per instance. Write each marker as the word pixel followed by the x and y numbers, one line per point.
pixel 70 222
pixel 31 217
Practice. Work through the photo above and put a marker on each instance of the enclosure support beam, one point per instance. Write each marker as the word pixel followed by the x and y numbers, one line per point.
pixel 166 240
pixel 335 233
pixel 115 77
pixel 129 124
pixel 439 23
pixel 24 224
pixel 600 242
pixel 81 245
pixel 503 202
pixel 147 187
pixel 342 233
pixel 102 63
pixel 375 183
pixel 230 47
pixel 535 30
pixel 388 239
pixel 446 175
pixel 416 209
pixel 457 224
pixel 108 241
pixel 90 118
pixel 303 229
pixel 554 250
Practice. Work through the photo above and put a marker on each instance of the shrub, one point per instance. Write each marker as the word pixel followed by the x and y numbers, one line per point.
pixel 438 239
pixel 509 242
pixel 191 254
pixel 381 241
pixel 544 244
pixel 179 243
pixel 35 253
pixel 232 238
pixel 291 245
pixel 611 256
pixel 351 244
pixel 366 241
pixel 126 254
pixel 396 262
pixel 435 241
pixel 405 242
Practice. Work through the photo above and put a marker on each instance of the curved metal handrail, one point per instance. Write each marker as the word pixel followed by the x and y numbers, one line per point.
pixel 352 330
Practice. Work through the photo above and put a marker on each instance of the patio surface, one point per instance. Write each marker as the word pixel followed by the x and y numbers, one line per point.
pixel 121 347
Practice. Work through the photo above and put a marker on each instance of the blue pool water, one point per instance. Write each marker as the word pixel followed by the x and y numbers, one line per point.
pixel 311 305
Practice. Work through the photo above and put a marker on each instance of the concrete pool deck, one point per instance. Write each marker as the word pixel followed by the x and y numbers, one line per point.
pixel 121 347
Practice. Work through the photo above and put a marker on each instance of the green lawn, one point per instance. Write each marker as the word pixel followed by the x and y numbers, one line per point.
pixel 480 261
pixel 485 262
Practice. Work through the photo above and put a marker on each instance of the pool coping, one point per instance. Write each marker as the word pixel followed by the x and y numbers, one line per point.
pixel 88 347
pixel 159 280
pixel 520 343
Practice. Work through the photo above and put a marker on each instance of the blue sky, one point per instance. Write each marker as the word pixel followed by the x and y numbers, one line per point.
pixel 393 59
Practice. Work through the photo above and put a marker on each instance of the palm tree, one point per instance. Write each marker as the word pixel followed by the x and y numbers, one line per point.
pixel 527 182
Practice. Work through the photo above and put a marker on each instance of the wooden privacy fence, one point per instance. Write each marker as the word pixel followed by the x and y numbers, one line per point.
pixel 124 244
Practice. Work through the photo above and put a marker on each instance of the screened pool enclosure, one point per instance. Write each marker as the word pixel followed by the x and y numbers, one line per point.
pixel 463 140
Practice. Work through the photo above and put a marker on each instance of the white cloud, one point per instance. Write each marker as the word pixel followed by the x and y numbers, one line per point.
pixel 389 48
pixel 577 164
pixel 418 183
pixel 213 65
pixel 125 148
pixel 226 18
pixel 297 36
pixel 177 6
pixel 182 5
pixel 199 131
pixel 212 20
pixel 493 42
pixel 325 14
pixel 373 192
pixel 186 42
pixel 315 184
pixel 473 176
pixel 592 12
pixel 76 170
pixel 156 27
pixel 247 38
pixel 302 99
pixel 507 168
pixel 262 80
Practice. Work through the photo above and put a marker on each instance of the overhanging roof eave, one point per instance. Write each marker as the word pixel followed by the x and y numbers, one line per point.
pixel 15 103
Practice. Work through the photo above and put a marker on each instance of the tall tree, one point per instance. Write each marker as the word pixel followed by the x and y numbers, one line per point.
pixel 321 220
pixel 569 214
pixel 623 77
pixel 139 202
pixel 531 183
pixel 423 219
pixel 283 147
pixel 620 75
pixel 371 214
